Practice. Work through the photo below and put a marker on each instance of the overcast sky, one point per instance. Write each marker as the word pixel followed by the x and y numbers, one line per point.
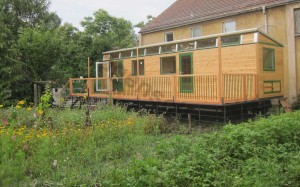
pixel 73 11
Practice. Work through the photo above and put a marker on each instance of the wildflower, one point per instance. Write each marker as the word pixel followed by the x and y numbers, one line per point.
pixel 13 137
pixel 18 106
pixel 4 121
pixel 1 106
pixel 29 109
pixel 34 115
pixel 22 102
pixel 84 97
pixel 40 112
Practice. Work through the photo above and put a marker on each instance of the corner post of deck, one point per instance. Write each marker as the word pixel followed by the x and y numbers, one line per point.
pixel 71 86
pixel 221 99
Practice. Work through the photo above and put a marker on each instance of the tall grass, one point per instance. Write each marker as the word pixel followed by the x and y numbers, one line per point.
pixel 123 148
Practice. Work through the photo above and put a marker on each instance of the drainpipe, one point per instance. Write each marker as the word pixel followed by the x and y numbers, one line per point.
pixel 266 18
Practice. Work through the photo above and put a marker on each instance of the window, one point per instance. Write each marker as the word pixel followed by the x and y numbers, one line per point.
pixel 229 26
pixel 135 65
pixel 115 55
pixel 195 32
pixel 186 46
pixel 269 59
pixel 169 37
pixel 231 40
pixel 141 67
pixel 141 52
pixel 168 48
pixel 152 50
pixel 126 54
pixel 297 22
pixel 168 65
pixel 207 43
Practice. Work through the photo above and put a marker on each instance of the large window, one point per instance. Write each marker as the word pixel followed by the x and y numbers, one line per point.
pixel 169 37
pixel 195 32
pixel 168 65
pixel 269 59
pixel 297 21
pixel 229 26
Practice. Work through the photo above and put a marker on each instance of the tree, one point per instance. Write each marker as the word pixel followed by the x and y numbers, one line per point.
pixel 142 24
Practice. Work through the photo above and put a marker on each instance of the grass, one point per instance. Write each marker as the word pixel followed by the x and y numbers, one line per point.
pixel 124 148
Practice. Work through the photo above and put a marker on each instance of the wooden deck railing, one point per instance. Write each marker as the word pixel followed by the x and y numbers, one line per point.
pixel 197 89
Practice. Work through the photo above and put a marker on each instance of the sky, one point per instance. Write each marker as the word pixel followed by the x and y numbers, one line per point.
pixel 73 11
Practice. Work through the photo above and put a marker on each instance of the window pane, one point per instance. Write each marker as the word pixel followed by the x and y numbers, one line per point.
pixel 168 48
pixel 126 54
pixel 186 46
pixel 231 40
pixel 297 21
pixel 229 26
pixel 206 43
pixel 115 55
pixel 196 32
pixel 269 59
pixel 168 37
pixel 134 53
pixel 152 50
pixel 168 65
pixel 117 69
pixel 142 67
pixel 141 52
pixel 134 67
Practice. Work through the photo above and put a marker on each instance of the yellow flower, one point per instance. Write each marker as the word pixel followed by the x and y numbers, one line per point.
pixel 29 109
pixel 18 106
pixel 1 106
pixel 40 112
pixel 22 102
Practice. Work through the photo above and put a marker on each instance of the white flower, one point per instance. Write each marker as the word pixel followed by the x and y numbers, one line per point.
pixel 54 164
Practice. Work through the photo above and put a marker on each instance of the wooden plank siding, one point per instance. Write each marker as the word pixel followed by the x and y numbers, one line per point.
pixel 220 75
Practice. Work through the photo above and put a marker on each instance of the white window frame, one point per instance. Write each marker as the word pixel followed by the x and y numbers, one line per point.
pixel 167 37
pixel 200 31
pixel 226 22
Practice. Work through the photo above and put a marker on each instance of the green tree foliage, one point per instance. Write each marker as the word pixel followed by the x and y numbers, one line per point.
pixel 35 46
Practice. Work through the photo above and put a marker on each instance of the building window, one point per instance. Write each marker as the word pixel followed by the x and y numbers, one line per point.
pixel 169 37
pixel 141 67
pixel 134 67
pixel 231 40
pixel 297 22
pixel 229 26
pixel 269 59
pixel 168 65
pixel 195 32
pixel 138 64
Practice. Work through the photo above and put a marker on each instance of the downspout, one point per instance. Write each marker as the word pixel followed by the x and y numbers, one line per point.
pixel 266 19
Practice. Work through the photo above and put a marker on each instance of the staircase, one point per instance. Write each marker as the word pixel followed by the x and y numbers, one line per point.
pixel 285 105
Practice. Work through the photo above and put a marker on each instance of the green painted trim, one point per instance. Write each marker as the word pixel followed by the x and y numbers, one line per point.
pixel 192 69
pixel 273 81
pixel 266 43
pixel 274 62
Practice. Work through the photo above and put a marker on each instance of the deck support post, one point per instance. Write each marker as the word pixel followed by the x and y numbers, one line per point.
pixel 224 114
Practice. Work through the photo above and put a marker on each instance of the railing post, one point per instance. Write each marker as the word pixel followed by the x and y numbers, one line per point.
pixel 220 71
pixel 71 87
pixel 244 87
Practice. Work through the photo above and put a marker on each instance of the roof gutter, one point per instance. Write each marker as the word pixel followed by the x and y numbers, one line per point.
pixel 146 31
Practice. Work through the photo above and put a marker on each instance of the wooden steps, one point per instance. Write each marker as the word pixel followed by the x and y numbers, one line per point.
pixel 285 105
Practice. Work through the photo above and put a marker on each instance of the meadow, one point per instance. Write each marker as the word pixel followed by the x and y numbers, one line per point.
pixel 54 147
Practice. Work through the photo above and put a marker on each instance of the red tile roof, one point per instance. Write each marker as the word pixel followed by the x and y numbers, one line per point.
pixel 184 12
